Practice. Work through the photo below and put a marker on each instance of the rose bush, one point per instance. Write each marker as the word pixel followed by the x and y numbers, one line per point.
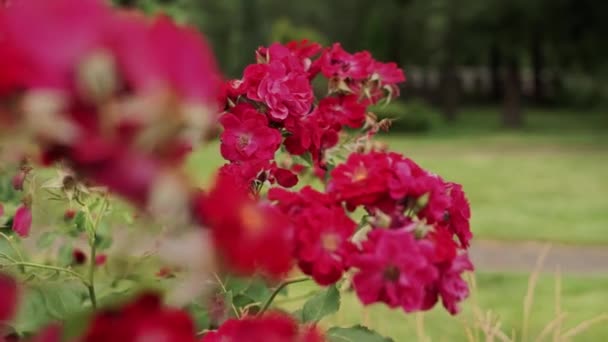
pixel 114 101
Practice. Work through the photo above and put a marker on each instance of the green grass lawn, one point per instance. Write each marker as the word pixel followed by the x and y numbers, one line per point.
pixel 548 181
pixel 503 294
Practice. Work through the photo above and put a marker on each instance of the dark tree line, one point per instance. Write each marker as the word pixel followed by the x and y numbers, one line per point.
pixel 506 37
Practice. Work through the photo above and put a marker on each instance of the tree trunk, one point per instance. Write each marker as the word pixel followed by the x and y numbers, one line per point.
pixel 538 65
pixel 449 92
pixel 495 64
pixel 512 112
pixel 448 79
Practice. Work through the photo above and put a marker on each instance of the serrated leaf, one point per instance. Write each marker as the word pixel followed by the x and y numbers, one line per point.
pixel 324 303
pixel 354 334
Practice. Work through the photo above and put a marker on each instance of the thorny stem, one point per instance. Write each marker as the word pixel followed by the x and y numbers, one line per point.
pixel 279 289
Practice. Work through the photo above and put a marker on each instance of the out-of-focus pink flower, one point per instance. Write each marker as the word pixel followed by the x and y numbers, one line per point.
pixel 145 319
pixel 18 180
pixel 101 259
pixel 69 214
pixel 9 297
pixel 157 82
pixel 250 236
pixel 52 333
pixel 272 327
pixel 79 257
pixel 22 221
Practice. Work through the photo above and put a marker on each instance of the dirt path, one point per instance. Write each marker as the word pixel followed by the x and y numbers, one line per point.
pixel 522 257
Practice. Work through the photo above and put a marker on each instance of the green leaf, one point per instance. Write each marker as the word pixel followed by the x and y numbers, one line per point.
pixel 75 325
pixel 200 315
pixel 322 304
pixel 354 334
pixel 79 221
pixel 42 304
pixel 258 291
pixel 307 157
pixel 61 301
pixel 32 313
pixel 235 284
pixel 46 240
pixel 64 256
pixel 103 242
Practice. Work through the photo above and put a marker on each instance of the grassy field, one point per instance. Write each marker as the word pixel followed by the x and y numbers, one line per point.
pixel 502 294
pixel 546 182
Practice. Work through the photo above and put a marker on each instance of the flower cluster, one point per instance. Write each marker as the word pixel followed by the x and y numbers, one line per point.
pixel 8 297
pixel 275 99
pixel 119 96
pixel 410 257
pixel 415 250
pixel 322 231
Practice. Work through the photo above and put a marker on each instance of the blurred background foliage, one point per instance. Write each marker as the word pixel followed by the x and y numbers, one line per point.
pixel 510 53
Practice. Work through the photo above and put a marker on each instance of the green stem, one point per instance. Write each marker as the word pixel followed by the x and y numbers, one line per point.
pixel 12 245
pixel 91 285
pixel 93 254
pixel 50 268
pixel 278 289
pixel 7 257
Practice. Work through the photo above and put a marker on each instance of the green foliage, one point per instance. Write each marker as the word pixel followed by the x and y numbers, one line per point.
pixel 283 30
pixel 410 117
pixel 44 303
pixel 354 334
pixel 324 303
